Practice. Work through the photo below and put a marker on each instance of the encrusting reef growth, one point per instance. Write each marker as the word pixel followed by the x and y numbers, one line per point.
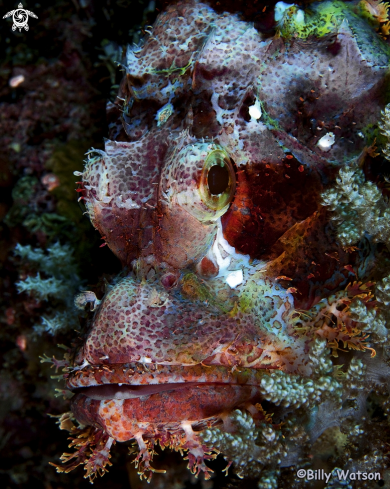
pixel 244 188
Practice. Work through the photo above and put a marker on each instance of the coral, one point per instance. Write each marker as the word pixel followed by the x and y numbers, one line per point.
pixel 254 448
pixel 359 208
pixel 62 282
pixel 296 391
pixel 57 260
pixel 382 291
pixel 384 127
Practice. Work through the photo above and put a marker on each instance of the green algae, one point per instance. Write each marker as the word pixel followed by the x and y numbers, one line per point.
pixel 326 18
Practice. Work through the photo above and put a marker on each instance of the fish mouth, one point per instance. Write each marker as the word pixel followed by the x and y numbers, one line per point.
pixel 126 399
pixel 120 391
pixel 134 380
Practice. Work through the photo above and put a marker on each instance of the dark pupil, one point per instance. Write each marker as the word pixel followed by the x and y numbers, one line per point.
pixel 218 179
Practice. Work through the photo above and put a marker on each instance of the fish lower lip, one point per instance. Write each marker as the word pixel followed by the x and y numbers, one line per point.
pixel 126 391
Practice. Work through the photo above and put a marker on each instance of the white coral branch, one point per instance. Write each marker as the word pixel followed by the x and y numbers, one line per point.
pixel 359 206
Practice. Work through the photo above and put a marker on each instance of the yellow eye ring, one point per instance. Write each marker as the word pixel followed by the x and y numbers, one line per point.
pixel 218 180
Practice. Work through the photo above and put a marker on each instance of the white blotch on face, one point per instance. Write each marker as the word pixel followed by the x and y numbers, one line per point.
pixel 255 111
pixel 326 142
pixel 235 278
pixel 232 277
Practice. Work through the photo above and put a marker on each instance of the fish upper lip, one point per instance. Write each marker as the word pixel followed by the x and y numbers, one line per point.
pixel 141 375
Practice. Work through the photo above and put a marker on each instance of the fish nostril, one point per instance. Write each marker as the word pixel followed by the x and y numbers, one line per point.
pixel 218 179
pixel 169 280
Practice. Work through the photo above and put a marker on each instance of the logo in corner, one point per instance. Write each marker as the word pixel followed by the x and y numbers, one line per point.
pixel 20 17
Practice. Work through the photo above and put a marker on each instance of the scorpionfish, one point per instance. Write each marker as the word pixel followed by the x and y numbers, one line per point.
pixel 221 141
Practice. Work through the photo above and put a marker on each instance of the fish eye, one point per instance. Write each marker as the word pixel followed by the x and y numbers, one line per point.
pixel 218 180
pixel 201 179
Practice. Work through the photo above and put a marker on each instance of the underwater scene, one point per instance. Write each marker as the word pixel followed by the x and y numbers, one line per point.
pixel 195 244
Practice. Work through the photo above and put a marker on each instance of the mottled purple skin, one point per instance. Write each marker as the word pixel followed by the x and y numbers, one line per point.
pixel 144 192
